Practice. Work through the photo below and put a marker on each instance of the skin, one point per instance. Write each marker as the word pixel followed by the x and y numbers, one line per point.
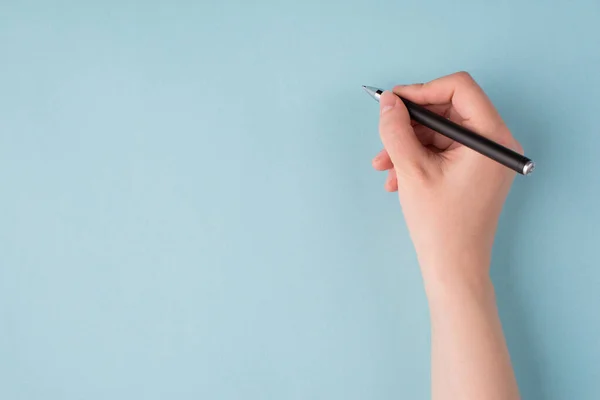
pixel 451 198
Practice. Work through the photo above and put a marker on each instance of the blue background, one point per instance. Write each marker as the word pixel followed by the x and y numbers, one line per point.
pixel 188 210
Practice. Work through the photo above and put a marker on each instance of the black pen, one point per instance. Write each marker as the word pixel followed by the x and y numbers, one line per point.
pixel 462 135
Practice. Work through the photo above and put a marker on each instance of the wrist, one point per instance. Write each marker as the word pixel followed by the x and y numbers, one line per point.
pixel 467 274
pixel 459 297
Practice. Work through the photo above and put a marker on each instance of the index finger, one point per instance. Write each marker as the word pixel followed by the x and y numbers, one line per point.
pixel 466 98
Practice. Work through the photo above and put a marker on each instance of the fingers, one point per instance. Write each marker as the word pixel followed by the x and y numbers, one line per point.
pixel 391 183
pixel 468 101
pixel 406 152
pixel 382 161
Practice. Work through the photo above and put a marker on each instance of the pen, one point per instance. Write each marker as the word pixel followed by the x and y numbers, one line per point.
pixel 462 135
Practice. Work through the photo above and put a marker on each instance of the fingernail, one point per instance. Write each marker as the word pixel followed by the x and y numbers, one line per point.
pixel 387 101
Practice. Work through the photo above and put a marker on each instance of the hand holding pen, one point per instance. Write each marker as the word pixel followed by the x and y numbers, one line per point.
pixel 462 134
pixel 445 187
pixel 451 197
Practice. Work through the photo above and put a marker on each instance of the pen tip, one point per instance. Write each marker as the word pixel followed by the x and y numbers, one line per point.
pixel 373 92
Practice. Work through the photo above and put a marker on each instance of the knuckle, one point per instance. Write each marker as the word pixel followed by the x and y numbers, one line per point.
pixel 465 77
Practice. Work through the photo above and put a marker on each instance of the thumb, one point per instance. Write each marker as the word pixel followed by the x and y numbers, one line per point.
pixel 398 136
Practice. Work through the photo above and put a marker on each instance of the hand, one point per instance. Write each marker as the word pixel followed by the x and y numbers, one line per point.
pixel 451 196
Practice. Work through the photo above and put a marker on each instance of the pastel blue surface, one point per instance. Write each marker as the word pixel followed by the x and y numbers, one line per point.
pixel 188 209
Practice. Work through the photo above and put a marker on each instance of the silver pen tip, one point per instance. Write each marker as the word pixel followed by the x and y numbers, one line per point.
pixel 375 93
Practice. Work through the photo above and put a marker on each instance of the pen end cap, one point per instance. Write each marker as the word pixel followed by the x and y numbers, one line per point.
pixel 528 168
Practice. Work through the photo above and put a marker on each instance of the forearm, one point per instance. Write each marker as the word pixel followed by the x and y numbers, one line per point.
pixel 470 359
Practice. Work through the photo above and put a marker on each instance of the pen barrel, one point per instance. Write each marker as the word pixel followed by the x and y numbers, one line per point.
pixel 466 137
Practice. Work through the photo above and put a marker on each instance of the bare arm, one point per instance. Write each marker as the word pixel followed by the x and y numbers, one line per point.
pixel 469 355
pixel 451 198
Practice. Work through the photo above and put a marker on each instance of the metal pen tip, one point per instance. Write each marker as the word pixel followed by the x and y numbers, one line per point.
pixel 374 92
